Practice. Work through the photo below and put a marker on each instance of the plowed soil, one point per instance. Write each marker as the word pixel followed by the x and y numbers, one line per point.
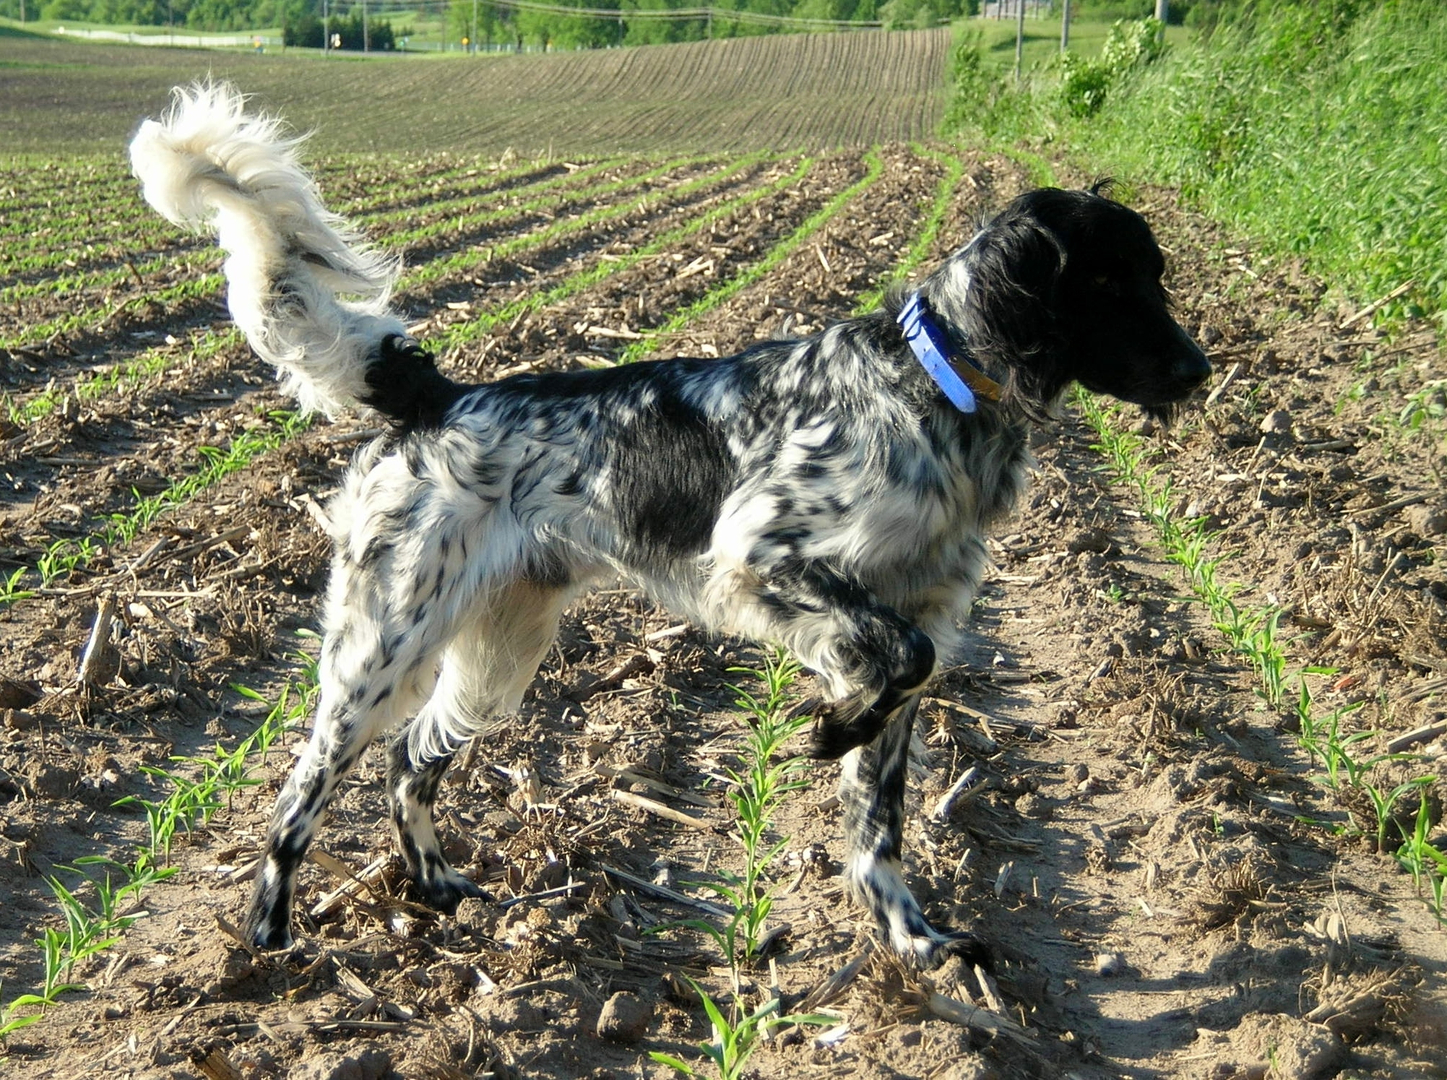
pixel 1169 887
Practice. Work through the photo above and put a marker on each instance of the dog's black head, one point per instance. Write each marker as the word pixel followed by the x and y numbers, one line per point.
pixel 1065 286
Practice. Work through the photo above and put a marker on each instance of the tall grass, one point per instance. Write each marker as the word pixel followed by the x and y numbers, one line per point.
pixel 1320 128
pixel 1316 127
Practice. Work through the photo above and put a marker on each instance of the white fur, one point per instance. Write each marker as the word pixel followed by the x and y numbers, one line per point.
pixel 207 165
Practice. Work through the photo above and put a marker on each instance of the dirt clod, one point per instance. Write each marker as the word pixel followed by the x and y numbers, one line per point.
pixel 370 1064
pixel 625 1018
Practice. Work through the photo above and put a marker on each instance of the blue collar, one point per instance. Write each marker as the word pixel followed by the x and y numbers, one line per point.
pixel 961 386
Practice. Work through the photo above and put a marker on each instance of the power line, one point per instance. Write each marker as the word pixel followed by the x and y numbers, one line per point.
pixel 755 17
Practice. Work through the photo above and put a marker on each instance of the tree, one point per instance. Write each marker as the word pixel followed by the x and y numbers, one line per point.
pixel 571 31
pixel 660 31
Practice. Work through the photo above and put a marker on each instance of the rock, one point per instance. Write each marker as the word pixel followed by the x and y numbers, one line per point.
pixel 369 1064
pixel 17 695
pixel 1092 539
pixel 1277 422
pixel 1109 963
pixel 48 781
pixel 625 1018
pixel 515 1014
pixel 20 720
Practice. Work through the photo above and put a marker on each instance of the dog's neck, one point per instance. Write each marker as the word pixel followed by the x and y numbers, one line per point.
pixel 960 379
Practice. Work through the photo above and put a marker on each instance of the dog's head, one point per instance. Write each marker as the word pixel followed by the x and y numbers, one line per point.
pixel 1062 287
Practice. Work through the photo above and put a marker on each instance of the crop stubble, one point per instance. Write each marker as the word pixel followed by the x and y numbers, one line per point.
pixel 1127 797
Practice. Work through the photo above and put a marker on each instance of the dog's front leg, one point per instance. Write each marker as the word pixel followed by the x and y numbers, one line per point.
pixel 872 790
pixel 870 656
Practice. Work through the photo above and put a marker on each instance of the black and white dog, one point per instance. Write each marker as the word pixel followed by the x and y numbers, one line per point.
pixel 830 494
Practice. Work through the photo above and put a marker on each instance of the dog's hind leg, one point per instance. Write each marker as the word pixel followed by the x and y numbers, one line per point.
pixel 484 673
pixel 369 679
pixel 872 789
pixel 396 599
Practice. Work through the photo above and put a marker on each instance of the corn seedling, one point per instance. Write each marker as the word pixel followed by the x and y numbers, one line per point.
pixel 756 790
pixel 192 802
pixel 776 255
pixel 1423 860
pixel 1250 632
pixel 1383 802
pixel 10 590
pixel 732 1044
pixel 1253 634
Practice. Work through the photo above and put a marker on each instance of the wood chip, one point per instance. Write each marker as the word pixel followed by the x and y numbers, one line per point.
pixel 659 809
pixel 664 893
pixel 1420 735
pixel 100 662
pixel 216 1065
pixel 836 984
pixel 1376 305
pixel 978 1019
pixel 941 811
pixel 352 884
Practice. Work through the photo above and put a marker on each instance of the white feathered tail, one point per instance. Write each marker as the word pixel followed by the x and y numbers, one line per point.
pixel 207 164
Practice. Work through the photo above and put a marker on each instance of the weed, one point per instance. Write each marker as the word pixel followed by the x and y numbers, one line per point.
pixel 1424 405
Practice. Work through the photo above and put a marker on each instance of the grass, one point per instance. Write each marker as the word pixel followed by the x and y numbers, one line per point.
pixel 1313 126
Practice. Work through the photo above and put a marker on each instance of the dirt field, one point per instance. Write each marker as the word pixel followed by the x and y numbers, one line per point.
pixel 793 90
pixel 1170 888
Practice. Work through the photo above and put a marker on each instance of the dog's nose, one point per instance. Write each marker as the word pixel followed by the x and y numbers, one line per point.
pixel 1192 368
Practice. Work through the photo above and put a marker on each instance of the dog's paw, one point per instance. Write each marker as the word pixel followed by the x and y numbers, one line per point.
pixel 928 951
pixel 398 347
pixel 267 932
pixel 446 889
pixel 840 726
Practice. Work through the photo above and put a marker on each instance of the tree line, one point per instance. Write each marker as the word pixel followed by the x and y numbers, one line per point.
pixel 513 22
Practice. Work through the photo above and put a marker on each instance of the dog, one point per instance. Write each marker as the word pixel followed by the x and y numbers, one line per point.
pixel 830 494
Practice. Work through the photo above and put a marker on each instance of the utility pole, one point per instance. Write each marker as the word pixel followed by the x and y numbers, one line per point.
pixel 473 39
pixel 366 32
pixel 1065 26
pixel 1019 37
pixel 326 30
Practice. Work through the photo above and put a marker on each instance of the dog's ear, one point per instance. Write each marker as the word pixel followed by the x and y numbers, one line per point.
pixel 999 298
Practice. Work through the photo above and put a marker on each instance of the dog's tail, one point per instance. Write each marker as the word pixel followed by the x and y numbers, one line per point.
pixel 207 164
